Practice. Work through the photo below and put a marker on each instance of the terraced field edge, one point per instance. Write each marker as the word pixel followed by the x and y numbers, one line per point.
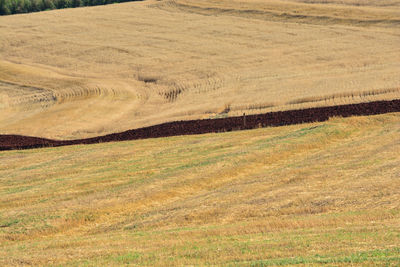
pixel 190 127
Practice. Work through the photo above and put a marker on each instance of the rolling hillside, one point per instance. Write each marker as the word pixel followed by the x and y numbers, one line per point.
pixel 304 194
pixel 84 72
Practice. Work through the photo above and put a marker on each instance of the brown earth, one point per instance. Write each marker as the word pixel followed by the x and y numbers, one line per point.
pixel 280 118
pixel 85 72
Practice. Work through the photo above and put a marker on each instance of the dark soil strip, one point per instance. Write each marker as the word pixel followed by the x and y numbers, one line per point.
pixel 280 118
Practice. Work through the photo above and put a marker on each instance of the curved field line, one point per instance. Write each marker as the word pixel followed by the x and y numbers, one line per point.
pixel 281 118
pixel 280 14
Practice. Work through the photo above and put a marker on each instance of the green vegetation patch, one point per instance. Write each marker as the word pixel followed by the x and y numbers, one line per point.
pixel 374 256
pixel 9 7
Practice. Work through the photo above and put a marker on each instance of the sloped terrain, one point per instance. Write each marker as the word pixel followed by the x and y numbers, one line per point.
pixel 85 72
pixel 310 194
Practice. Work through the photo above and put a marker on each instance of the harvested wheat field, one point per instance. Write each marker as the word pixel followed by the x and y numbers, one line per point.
pixel 84 72
pixel 304 194
pixel 313 193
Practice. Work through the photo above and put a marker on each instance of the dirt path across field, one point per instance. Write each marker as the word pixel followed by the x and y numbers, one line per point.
pixel 12 142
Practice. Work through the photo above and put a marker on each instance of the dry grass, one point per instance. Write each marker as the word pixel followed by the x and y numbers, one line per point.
pixel 305 194
pixel 88 71
pixel 372 3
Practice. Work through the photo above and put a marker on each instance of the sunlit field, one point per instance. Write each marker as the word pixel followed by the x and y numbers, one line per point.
pixel 323 193
pixel 305 194
pixel 84 72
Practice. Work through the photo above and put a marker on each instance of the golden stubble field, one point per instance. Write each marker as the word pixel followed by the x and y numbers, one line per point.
pixel 321 193
pixel 89 71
